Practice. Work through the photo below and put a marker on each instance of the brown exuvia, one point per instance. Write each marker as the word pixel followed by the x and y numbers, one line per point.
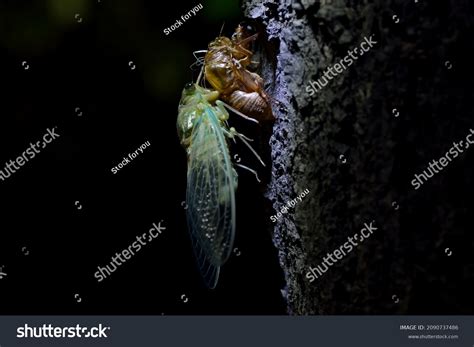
pixel 225 68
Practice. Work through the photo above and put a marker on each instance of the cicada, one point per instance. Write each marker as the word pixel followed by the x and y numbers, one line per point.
pixel 225 68
pixel 211 178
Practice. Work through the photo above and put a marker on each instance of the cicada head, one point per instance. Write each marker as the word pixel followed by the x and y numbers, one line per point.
pixel 189 95
pixel 193 95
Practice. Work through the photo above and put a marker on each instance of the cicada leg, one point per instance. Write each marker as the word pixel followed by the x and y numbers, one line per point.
pixel 197 52
pixel 199 62
pixel 232 133
pixel 220 104
pixel 248 169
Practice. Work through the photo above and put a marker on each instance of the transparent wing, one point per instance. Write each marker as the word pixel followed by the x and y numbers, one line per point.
pixel 209 272
pixel 210 197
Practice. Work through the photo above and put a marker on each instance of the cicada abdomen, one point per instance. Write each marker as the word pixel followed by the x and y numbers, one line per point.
pixel 252 104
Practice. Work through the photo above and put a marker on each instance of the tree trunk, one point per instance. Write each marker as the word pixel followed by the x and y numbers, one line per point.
pixel 357 143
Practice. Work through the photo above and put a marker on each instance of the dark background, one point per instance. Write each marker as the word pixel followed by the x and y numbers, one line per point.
pixel 86 65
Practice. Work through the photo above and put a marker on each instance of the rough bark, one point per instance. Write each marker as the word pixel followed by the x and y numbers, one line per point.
pixel 347 147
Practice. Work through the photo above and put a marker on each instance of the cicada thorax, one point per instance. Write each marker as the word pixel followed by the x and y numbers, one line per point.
pixel 220 69
pixel 193 103
pixel 225 69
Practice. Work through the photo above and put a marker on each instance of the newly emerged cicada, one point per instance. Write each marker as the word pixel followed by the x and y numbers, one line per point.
pixel 225 67
pixel 211 178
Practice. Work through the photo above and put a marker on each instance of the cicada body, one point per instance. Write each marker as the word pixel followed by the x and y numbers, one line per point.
pixel 211 179
pixel 225 68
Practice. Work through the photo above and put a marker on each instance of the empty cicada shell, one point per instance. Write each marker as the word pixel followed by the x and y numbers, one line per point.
pixel 225 68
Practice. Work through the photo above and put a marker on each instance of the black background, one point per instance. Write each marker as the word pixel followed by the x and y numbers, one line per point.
pixel 86 65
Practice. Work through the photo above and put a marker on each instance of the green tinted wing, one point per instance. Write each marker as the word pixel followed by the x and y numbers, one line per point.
pixel 210 196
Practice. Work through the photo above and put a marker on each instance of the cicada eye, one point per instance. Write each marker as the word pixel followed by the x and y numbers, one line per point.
pixel 189 86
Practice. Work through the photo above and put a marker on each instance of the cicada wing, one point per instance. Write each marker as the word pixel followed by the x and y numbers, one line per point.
pixel 209 272
pixel 210 194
